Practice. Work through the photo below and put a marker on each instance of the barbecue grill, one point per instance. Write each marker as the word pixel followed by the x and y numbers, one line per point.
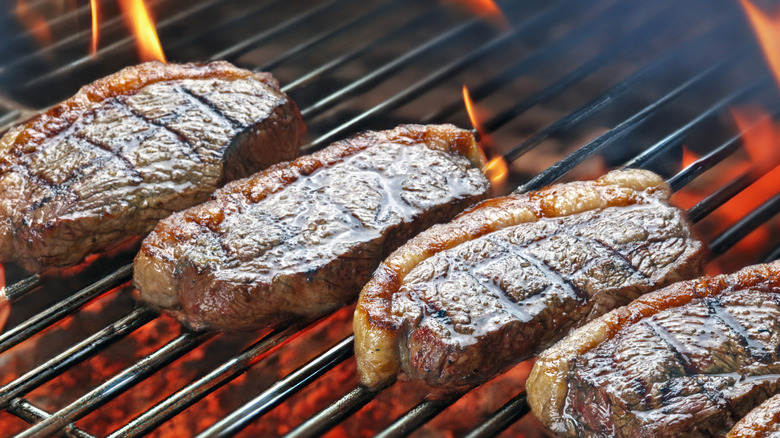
pixel 567 89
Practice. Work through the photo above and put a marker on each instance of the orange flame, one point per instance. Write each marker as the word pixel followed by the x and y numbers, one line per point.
pixel 767 30
pixel 496 170
pixel 34 21
pixel 94 9
pixel 149 47
pixel 487 9
pixel 688 157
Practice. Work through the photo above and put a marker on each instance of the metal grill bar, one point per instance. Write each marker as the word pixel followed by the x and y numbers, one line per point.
pixel 32 414
pixel 64 308
pixel 750 222
pixel 75 355
pixel 246 45
pixel 118 384
pixel 556 171
pixel 281 390
pixel 195 391
pixel 507 414
pixel 723 194
pixel 418 416
pixel 334 414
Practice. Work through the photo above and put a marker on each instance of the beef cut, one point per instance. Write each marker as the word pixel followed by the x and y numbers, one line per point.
pixel 686 361
pixel 761 422
pixel 131 148
pixel 463 301
pixel 300 239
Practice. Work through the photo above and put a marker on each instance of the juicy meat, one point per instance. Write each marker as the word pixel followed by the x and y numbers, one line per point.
pixel 300 239
pixel 761 422
pixel 131 148
pixel 689 360
pixel 463 301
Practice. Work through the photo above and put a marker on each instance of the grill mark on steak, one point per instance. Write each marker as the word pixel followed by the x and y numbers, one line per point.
pixel 756 350
pixel 128 149
pixel 726 331
pixel 463 301
pixel 300 239
pixel 211 107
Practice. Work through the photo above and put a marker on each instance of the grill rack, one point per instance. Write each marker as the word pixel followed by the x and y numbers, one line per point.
pixel 47 423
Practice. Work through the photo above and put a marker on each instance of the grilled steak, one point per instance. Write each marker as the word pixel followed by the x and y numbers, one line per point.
pixel 463 301
pixel 689 360
pixel 761 422
pixel 300 239
pixel 129 149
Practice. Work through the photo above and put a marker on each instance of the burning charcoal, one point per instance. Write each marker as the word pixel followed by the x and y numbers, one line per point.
pixel 300 239
pixel 463 301
pixel 131 148
pixel 689 360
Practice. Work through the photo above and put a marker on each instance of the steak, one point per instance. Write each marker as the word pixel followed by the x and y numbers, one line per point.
pixel 463 301
pixel 689 360
pixel 130 149
pixel 761 422
pixel 300 239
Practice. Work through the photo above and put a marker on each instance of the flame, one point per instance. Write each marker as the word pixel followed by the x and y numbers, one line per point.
pixel 94 9
pixel 497 169
pixel 34 21
pixel 767 30
pixel 149 47
pixel 688 157
pixel 487 9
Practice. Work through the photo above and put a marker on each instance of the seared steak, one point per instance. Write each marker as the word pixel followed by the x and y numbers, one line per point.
pixel 463 301
pixel 761 422
pixel 689 360
pixel 131 148
pixel 300 239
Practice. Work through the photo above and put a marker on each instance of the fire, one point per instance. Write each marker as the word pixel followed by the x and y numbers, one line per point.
pixel 149 47
pixel 34 21
pixel 496 170
pixel 94 9
pixel 5 306
pixel 767 30
pixel 688 157
pixel 487 9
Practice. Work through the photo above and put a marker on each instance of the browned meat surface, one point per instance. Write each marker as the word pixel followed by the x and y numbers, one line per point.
pixel 761 422
pixel 689 360
pixel 300 239
pixel 463 301
pixel 131 148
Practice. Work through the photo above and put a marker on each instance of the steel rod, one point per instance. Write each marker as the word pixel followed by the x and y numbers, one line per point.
pixel 678 136
pixel 118 45
pixel 204 386
pixel 249 43
pixel 410 93
pixel 368 16
pixel 724 194
pixel 117 384
pixel 21 287
pixel 602 58
pixel 75 354
pixel 334 414
pixel 556 171
pixel 707 162
pixel 64 308
pixel 418 416
pixel 280 391
pixel 745 226
pixel 504 417
pixel 33 414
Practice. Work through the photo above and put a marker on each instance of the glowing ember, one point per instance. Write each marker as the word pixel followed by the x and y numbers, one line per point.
pixel 767 29
pixel 94 8
pixel 688 157
pixel 34 21
pixel 149 47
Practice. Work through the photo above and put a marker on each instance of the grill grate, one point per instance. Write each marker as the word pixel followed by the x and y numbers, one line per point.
pixel 352 66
